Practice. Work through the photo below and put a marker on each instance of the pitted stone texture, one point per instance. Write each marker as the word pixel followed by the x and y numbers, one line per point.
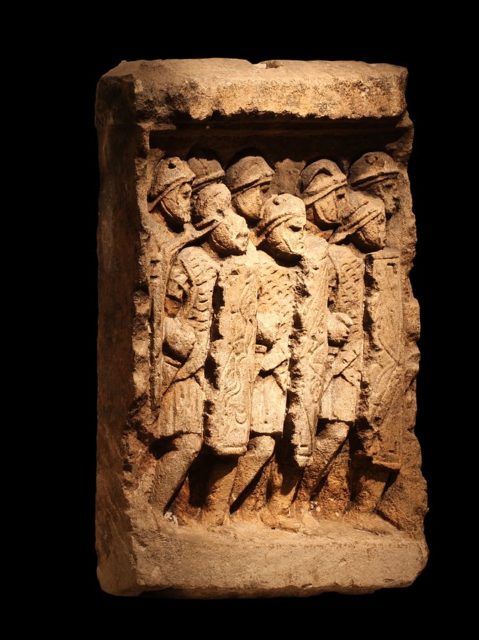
pixel 206 88
pixel 250 561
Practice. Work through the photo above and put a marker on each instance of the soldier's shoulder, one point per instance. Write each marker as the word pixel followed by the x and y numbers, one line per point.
pixel 193 253
pixel 197 258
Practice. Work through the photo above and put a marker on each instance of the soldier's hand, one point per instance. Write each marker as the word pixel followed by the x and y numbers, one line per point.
pixel 268 324
pixel 339 325
pixel 179 338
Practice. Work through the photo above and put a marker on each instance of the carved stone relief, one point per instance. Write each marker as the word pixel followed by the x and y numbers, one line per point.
pixel 257 340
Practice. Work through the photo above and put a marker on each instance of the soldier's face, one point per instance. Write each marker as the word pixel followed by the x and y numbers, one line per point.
pixel 286 241
pixel 248 203
pixel 330 210
pixel 231 236
pixel 177 204
pixel 341 202
pixel 372 236
pixel 388 191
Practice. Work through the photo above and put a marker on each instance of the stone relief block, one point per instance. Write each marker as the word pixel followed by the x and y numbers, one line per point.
pixel 257 340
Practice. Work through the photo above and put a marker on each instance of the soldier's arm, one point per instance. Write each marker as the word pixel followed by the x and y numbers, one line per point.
pixel 338 323
pixel 338 328
pixel 278 354
pixel 177 289
pixel 179 338
pixel 275 350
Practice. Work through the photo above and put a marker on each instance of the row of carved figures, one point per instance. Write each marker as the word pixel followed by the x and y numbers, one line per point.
pixel 277 331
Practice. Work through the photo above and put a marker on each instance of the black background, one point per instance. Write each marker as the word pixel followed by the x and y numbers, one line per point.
pixel 102 47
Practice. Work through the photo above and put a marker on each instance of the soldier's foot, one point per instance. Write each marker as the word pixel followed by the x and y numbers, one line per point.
pixel 367 521
pixel 163 518
pixel 280 521
pixel 213 518
pixel 245 515
pixel 190 517
pixel 309 523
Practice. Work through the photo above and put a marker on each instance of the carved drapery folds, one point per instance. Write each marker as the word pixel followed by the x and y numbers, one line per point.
pixel 273 331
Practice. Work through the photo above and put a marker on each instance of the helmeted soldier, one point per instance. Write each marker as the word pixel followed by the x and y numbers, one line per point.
pixel 377 173
pixel 362 231
pixel 186 344
pixel 169 201
pixel 394 347
pixel 307 368
pixel 249 180
pixel 365 227
pixel 207 170
pixel 170 192
pixel 324 192
pixel 281 243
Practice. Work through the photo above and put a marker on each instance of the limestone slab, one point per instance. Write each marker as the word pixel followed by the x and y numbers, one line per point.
pixel 257 335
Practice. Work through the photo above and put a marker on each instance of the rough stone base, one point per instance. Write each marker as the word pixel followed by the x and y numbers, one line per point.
pixel 242 562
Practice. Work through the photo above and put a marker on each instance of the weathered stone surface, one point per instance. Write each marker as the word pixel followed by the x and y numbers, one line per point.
pixel 257 330
pixel 252 560
pixel 201 89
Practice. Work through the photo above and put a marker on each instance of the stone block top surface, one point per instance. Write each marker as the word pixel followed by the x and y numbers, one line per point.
pixel 200 89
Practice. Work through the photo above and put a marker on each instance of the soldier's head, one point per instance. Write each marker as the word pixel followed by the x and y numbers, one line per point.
pixel 228 232
pixel 365 226
pixel 207 170
pixel 378 174
pixel 171 190
pixel 249 180
pixel 281 230
pixel 324 190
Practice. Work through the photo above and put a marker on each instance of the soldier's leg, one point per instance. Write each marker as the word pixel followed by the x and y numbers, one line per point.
pixel 369 482
pixel 171 469
pixel 328 442
pixel 222 470
pixel 250 504
pixel 260 450
pixel 285 476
